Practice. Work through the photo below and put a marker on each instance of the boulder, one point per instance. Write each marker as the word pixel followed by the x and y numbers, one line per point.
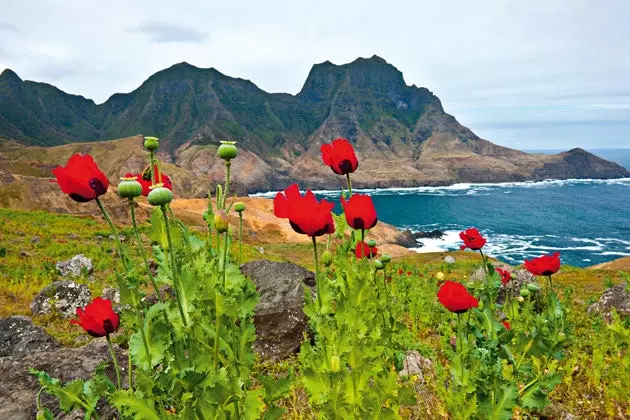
pixel 18 337
pixel 415 364
pixel 75 266
pixel 19 388
pixel 63 297
pixel 449 259
pixel 279 317
pixel 617 297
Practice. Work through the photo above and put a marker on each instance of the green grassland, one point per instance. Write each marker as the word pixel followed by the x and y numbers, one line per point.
pixel 596 366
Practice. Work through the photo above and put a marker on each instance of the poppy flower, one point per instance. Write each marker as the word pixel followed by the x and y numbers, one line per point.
pixel 340 156
pixel 145 180
pixel 409 273
pixel 506 276
pixel 306 215
pixel 364 250
pixel 401 271
pixel 544 266
pixel 507 325
pixel 472 239
pixel 98 318
pixel 360 212
pixel 81 178
pixel 455 297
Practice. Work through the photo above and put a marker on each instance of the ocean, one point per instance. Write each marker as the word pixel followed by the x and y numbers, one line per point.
pixel 587 221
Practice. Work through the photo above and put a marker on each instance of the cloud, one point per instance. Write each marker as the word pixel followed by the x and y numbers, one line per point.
pixel 8 27
pixel 164 32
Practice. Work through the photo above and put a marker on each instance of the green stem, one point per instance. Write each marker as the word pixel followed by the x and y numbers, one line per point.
pixel 217 331
pixel 115 360
pixel 460 342
pixel 240 237
pixel 171 253
pixel 129 369
pixel 141 251
pixel 550 283
pixel 151 158
pixel 114 231
pixel 349 184
pixel 228 166
pixel 317 279
pixel 225 256
pixel 520 360
pixel 363 242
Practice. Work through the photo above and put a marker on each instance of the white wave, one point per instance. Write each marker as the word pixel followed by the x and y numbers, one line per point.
pixel 449 242
pixel 621 254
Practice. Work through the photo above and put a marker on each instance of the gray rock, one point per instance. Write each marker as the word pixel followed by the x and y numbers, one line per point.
pixel 617 297
pixel 18 337
pixel 415 364
pixel 19 388
pixel 63 297
pixel 279 317
pixel 35 240
pixel 112 294
pixel 75 266
pixel 449 259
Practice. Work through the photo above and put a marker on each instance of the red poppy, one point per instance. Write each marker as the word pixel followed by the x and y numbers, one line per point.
pixel 145 180
pixel 81 178
pixel 306 215
pixel 544 266
pixel 98 318
pixel 472 239
pixel 507 325
pixel 364 250
pixel 409 273
pixel 455 297
pixel 400 271
pixel 340 156
pixel 506 276
pixel 360 212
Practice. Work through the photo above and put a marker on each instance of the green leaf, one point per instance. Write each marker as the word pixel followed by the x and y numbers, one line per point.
pixel 254 405
pixel 505 401
pixel 148 351
pixel 136 408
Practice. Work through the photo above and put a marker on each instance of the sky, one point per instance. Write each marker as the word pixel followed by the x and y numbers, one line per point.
pixel 525 74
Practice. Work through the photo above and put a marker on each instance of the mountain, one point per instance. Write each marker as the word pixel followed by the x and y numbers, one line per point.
pixel 402 133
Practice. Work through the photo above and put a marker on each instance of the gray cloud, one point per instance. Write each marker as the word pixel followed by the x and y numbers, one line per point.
pixel 162 32
pixel 8 27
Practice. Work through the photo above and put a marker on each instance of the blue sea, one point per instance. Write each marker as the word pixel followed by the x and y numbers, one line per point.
pixel 587 221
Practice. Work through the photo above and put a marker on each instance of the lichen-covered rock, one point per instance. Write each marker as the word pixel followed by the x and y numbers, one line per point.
pixel 63 297
pixel 617 297
pixel 75 266
pixel 415 364
pixel 279 317
pixel 449 259
pixel 112 294
pixel 18 337
pixel 19 388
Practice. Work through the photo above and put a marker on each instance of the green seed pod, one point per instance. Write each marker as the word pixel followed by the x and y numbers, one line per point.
pixel 481 305
pixel 371 243
pixel 533 287
pixel 520 299
pixel 239 207
pixel 335 366
pixel 545 330
pixel 386 258
pixel 221 223
pixel 327 258
pixel 525 292
pixel 378 264
pixel 160 196
pixel 227 150
pixel 562 337
pixel 151 143
pixel 129 188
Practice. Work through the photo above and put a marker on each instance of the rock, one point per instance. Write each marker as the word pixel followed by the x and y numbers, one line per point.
pixel 415 364
pixel 434 234
pixel 152 298
pixel 617 297
pixel 64 296
pixel 449 259
pixel 407 239
pixel 19 388
pixel 25 254
pixel 35 240
pixel 279 317
pixel 112 294
pixel 75 266
pixel 18 337
pixel 73 236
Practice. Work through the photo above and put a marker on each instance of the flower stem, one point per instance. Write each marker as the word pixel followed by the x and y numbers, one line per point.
pixel 171 253
pixel 141 249
pixel 129 369
pixel 225 256
pixel 317 280
pixel 114 231
pixel 362 243
pixel 240 237
pixel 460 342
pixel 115 360
pixel 217 330
pixel 550 283
pixel 228 166
pixel 349 184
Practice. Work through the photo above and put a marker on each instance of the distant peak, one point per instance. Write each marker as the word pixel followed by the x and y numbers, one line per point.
pixel 10 75
pixel 183 65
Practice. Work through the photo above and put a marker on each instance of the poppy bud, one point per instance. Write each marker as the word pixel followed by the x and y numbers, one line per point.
pixel 520 299
pixel 439 276
pixel 378 264
pixel 561 337
pixel 524 292
pixel 371 243
pixel 480 305
pixel 159 196
pixel 151 143
pixel 327 258
pixel 129 188
pixel 227 151
pixel 335 366
pixel 239 207
pixel 221 222
pixel 533 287
pixel 386 258
pixel 545 330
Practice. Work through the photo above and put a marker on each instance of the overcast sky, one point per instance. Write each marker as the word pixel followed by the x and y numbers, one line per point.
pixel 525 74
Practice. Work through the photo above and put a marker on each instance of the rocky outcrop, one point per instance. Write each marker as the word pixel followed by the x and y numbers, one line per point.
pixel 616 298
pixel 19 336
pixel 279 318
pixel 76 266
pixel 62 297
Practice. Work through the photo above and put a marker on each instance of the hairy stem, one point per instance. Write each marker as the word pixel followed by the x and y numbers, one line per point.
pixel 141 249
pixel 317 279
pixel 240 237
pixel 228 166
pixel 174 273
pixel 349 184
pixel 115 360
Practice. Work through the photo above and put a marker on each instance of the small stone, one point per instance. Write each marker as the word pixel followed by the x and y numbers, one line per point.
pixel 449 259
pixel 75 266
pixel 35 240
pixel 112 294
pixel 415 364
pixel 73 236
pixel 25 254
pixel 63 297
pixel 616 298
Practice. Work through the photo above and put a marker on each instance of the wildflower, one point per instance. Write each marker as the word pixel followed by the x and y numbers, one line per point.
pixel 507 325
pixel 439 276
pixel 401 271
pixel 306 215
pixel 81 178
pixel 472 239
pixel 544 266
pixel 456 298
pixel 98 318
pixel 506 276
pixel 364 250
pixel 359 211
pixel 340 156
